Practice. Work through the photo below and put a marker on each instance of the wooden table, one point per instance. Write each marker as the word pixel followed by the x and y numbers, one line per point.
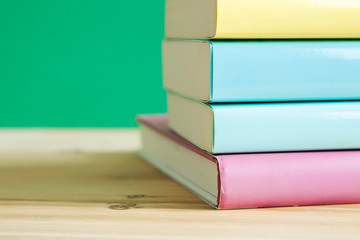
pixel 90 184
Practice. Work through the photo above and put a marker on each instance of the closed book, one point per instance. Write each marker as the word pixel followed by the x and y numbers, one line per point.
pixel 236 19
pixel 252 180
pixel 252 71
pixel 266 127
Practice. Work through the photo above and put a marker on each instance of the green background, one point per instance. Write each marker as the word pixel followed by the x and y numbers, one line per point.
pixel 80 63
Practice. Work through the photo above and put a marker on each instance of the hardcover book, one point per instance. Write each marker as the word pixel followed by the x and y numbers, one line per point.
pixel 252 71
pixel 252 180
pixel 266 127
pixel 236 19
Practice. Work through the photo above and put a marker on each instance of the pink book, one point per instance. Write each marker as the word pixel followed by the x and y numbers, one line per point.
pixel 252 180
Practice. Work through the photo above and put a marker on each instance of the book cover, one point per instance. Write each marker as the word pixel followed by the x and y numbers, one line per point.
pixel 252 180
pixel 226 19
pixel 257 71
pixel 266 127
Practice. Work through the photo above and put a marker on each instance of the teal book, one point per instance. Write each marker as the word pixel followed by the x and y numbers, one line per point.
pixel 261 71
pixel 266 127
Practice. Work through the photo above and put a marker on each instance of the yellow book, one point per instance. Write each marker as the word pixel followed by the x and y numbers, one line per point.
pixel 236 19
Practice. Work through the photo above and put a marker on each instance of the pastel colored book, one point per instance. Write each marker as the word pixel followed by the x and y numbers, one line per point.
pixel 251 71
pixel 266 127
pixel 252 180
pixel 224 19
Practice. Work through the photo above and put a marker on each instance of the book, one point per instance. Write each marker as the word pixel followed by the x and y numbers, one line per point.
pixel 235 19
pixel 252 180
pixel 252 71
pixel 266 127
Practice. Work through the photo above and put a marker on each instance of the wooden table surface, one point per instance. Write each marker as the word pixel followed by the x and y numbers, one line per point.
pixel 90 184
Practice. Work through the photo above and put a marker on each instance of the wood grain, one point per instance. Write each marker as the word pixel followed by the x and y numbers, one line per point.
pixel 90 184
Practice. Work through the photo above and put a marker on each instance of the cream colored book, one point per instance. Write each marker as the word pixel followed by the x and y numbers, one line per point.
pixel 236 19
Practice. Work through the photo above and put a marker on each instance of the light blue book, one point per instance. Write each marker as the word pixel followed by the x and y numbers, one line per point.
pixel 266 127
pixel 252 71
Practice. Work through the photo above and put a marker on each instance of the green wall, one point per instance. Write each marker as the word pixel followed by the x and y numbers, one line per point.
pixel 80 63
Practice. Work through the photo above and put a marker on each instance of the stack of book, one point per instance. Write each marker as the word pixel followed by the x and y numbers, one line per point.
pixel 266 112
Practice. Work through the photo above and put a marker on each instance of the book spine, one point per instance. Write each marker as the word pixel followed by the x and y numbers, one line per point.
pixel 285 71
pixel 275 127
pixel 288 19
pixel 288 179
